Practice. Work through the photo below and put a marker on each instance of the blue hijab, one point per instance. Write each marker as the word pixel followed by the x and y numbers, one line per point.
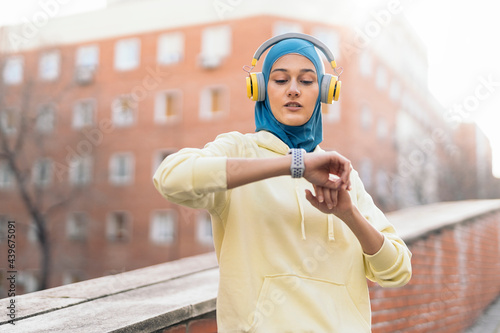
pixel 308 135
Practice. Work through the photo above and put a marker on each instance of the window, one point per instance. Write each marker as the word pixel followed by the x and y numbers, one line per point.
pixel 285 27
pixel 32 234
pixel 42 172
pixel 123 111
pixel 76 226
pixel 6 176
pixel 167 106
pixel 382 128
pixel 87 60
pixel 4 228
pixel 13 70
pixel 72 277
pixel 212 103
pixel 83 113
pixel 215 46
pixel 8 121
pixel 381 78
pixel 395 90
pixel 45 119
pixel 170 48
pixel 204 228
pixel 49 66
pixel 365 172
pixel 80 171
pixel 331 40
pixel 121 169
pixel 27 282
pixel 118 227
pixel 331 112
pixel 366 117
pixel 365 64
pixel 87 56
pixel 382 183
pixel 163 227
pixel 127 54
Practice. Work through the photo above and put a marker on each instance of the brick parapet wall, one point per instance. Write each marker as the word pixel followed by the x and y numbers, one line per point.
pixel 455 277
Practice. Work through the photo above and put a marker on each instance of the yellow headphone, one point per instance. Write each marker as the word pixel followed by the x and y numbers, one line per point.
pixel 330 84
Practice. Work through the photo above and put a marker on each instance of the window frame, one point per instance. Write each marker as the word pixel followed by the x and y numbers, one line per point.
pixel 206 111
pixel 161 106
pixel 170 48
pixel 14 66
pixel 127 54
pixel 154 226
pixel 115 177
pixel 111 229
pixel 52 60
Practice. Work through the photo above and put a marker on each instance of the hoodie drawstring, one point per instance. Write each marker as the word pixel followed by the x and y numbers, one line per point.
pixel 301 210
pixel 331 234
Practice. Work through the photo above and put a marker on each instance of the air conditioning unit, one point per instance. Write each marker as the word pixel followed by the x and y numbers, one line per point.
pixel 210 61
pixel 84 75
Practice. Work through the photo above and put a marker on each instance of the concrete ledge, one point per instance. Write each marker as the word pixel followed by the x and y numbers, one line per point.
pixel 153 297
pixel 417 222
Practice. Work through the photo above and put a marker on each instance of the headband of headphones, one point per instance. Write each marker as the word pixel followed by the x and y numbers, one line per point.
pixel 316 42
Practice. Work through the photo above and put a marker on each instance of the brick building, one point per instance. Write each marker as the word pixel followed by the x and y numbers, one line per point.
pixel 102 97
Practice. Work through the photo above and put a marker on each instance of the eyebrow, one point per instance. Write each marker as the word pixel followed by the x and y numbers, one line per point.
pixel 304 70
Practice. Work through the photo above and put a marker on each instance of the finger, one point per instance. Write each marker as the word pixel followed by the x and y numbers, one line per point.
pixel 328 197
pixel 319 193
pixel 335 182
pixel 346 174
pixel 334 197
pixel 312 199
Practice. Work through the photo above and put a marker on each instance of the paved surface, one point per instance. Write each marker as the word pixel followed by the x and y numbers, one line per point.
pixel 489 322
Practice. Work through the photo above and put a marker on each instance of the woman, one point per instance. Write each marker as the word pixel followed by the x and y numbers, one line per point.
pixel 294 253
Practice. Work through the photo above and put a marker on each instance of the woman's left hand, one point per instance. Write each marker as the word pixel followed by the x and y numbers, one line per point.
pixel 330 201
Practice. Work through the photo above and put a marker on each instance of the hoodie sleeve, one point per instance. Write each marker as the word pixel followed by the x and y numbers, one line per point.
pixel 391 265
pixel 197 177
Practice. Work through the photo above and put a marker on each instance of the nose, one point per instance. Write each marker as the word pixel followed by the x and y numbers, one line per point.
pixel 293 89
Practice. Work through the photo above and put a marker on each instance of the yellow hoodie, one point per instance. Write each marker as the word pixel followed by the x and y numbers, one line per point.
pixel 284 265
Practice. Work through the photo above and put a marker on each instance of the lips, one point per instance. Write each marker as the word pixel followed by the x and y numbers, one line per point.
pixel 293 105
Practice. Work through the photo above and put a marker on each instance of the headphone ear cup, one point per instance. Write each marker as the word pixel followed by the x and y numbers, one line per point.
pixel 336 92
pixel 261 87
pixel 249 87
pixel 330 89
pixel 256 87
pixel 325 88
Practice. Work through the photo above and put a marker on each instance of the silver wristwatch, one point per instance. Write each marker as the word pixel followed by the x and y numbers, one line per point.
pixel 297 167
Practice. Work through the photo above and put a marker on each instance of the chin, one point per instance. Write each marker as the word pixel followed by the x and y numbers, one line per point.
pixel 294 120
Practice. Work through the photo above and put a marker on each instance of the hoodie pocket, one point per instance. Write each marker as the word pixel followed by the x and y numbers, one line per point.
pixel 290 303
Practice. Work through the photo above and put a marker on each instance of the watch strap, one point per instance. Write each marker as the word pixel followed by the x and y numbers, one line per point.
pixel 297 167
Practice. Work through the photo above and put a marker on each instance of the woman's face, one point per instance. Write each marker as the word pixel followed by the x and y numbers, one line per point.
pixel 293 89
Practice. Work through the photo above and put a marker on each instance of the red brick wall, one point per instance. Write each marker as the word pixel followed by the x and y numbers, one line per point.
pixel 455 277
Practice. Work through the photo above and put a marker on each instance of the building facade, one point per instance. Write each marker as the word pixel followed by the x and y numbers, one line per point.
pixel 91 104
